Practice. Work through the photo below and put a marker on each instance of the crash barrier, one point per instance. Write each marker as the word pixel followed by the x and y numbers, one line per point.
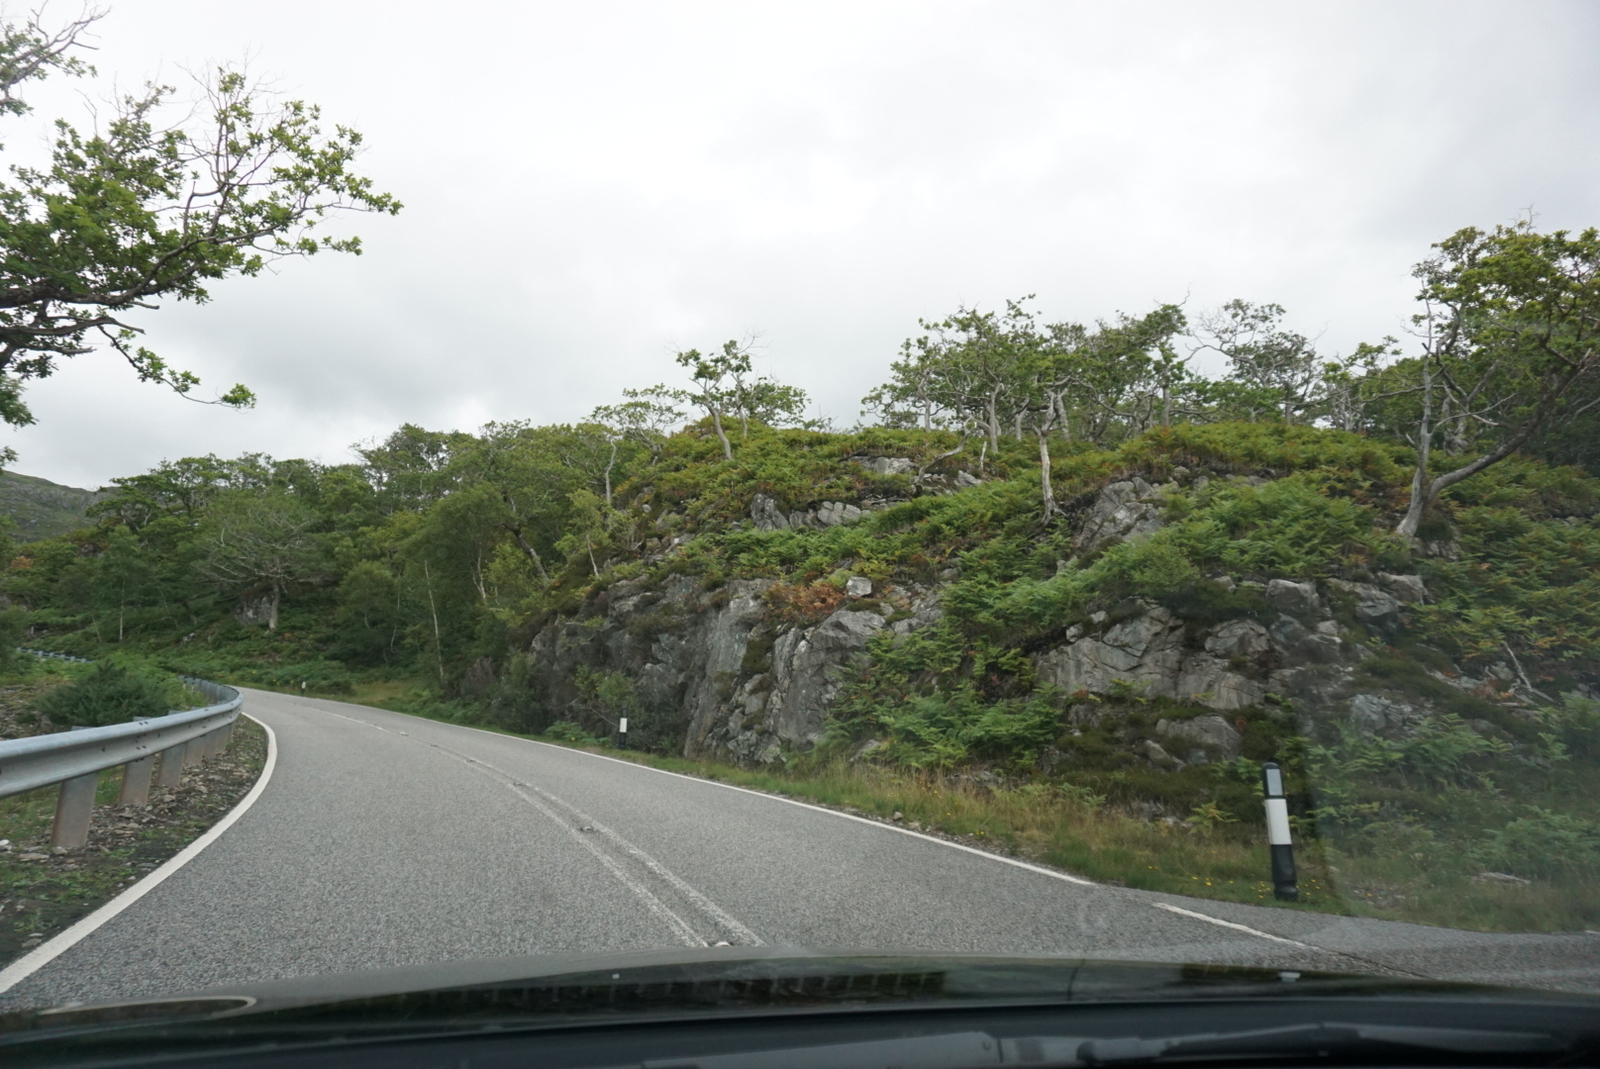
pixel 76 758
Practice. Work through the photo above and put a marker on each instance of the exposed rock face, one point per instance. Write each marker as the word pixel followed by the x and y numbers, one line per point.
pixel 738 680
pixel 1201 740
pixel 1239 638
pixel 1374 715
pixel 1149 652
pixel 743 685
pixel 888 465
pixel 767 516
pixel 1408 588
pixel 1124 510
pixel 1298 598
pixel 1300 644
pixel 808 669
pixel 1372 604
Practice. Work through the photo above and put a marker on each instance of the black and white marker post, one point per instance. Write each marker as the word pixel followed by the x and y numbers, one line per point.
pixel 622 733
pixel 1284 887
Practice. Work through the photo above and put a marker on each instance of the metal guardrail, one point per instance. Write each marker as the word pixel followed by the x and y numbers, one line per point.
pixel 76 758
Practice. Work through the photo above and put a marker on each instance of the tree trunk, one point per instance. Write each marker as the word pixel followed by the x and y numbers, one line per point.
pixel 523 544
pixel 1420 498
pixel 433 610
pixel 1045 489
pixel 716 421
pixel 610 463
pixel 272 608
pixel 994 420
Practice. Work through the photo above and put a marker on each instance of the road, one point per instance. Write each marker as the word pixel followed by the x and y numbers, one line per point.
pixel 382 840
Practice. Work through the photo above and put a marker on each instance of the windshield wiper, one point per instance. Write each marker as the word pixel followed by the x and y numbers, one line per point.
pixel 968 1050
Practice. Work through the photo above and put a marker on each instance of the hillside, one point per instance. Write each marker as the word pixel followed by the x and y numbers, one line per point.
pixel 42 509
pixel 1205 598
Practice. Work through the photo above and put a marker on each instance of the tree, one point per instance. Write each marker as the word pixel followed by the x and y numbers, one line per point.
pixel 1279 368
pixel 647 417
pixel 726 386
pixel 409 470
pixel 528 471
pixel 135 212
pixel 261 544
pixel 1510 333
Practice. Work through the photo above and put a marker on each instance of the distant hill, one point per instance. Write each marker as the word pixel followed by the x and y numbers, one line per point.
pixel 41 508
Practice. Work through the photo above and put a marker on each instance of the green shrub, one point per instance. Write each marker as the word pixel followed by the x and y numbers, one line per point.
pixel 567 731
pixel 111 694
pixel 1543 844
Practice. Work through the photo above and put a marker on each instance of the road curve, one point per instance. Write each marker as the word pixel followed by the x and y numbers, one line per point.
pixel 385 840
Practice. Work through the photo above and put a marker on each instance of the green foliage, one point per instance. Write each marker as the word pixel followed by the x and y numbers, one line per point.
pixel 941 731
pixel 1543 845
pixel 567 731
pixel 114 223
pixel 111 694
pixel 1288 528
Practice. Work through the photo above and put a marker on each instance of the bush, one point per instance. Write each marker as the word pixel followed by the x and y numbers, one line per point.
pixel 111 694
pixel 1542 844
pixel 567 731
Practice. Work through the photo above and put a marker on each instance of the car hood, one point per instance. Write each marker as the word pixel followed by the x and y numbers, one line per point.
pixel 721 981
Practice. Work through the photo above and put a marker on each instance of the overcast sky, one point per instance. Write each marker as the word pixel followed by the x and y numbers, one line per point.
pixel 590 187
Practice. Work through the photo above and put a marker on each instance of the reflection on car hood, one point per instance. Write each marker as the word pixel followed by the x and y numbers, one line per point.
pixel 560 990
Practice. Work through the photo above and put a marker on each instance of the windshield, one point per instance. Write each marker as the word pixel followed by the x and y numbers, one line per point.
pixel 1052 483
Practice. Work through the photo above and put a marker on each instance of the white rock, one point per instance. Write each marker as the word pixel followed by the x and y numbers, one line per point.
pixel 1408 588
pixel 858 586
pixel 1298 598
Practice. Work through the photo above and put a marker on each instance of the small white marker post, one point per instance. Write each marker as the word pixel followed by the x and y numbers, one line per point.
pixel 1284 886
pixel 622 733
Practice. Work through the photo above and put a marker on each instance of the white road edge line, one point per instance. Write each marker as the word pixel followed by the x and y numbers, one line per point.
pixel 1219 922
pixel 42 955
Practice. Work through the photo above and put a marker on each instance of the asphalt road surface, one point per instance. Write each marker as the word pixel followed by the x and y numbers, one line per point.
pixel 385 840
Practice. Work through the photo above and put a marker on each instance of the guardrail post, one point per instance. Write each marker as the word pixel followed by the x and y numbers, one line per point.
pixel 74 806
pixel 172 765
pixel 194 751
pixel 136 781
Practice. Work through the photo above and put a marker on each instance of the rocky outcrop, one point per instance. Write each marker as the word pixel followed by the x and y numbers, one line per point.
pixel 741 683
pixel 767 516
pixel 1152 654
pixel 750 681
pixel 888 465
pixel 1124 510
pixel 1296 649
